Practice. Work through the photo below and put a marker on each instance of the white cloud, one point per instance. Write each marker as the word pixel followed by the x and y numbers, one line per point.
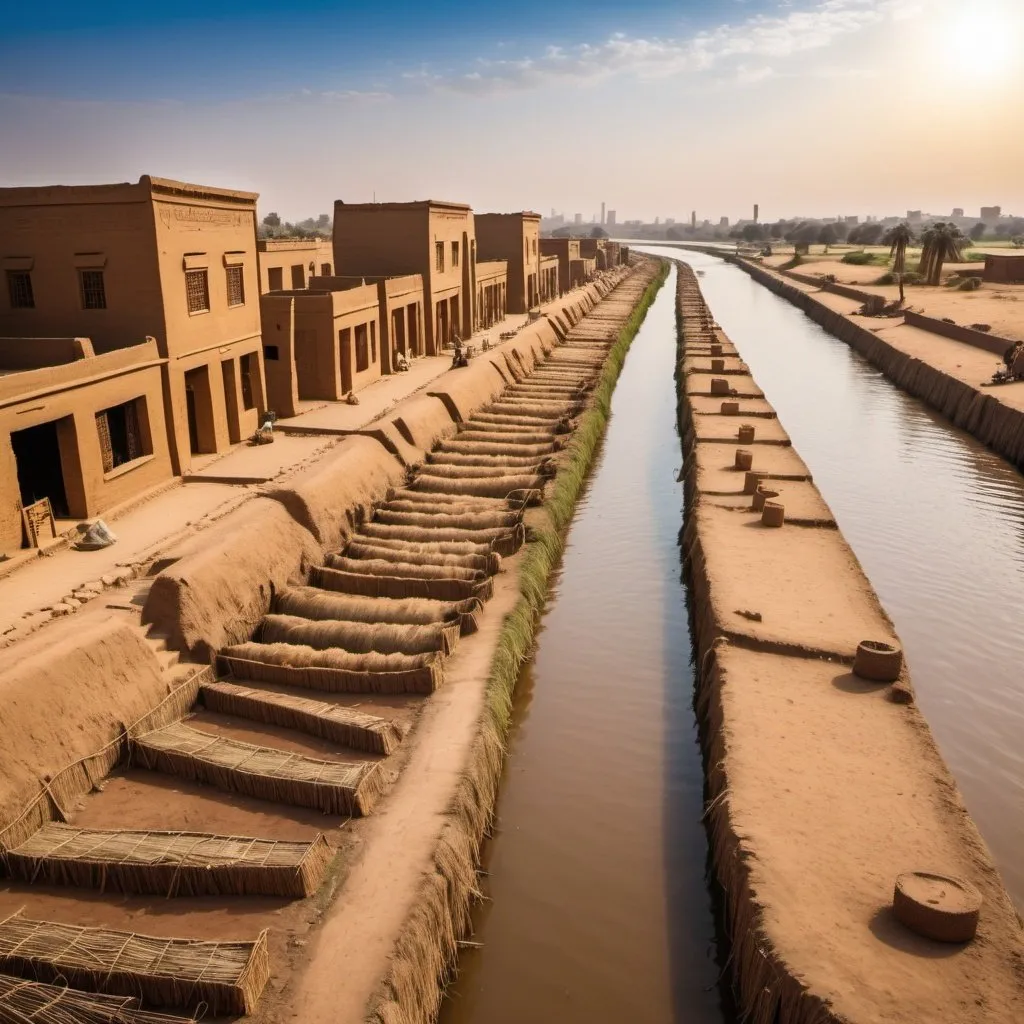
pixel 737 48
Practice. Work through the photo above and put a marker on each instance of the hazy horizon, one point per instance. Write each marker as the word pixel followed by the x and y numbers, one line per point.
pixel 808 107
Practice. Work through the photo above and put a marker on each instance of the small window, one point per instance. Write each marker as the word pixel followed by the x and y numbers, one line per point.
pixel 298 276
pixel 197 291
pixel 455 254
pixel 526 248
pixel 275 279
pixel 534 247
pixel 325 270
pixel 94 295
pixel 271 352
pixel 245 364
pixel 362 349
pixel 19 287
pixel 120 433
pixel 373 341
pixel 236 287
pixel 439 257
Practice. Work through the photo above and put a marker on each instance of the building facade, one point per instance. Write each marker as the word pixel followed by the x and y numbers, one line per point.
pixel 491 293
pixel 515 238
pixel 79 433
pixel 566 250
pixel 160 258
pixel 431 238
pixel 289 263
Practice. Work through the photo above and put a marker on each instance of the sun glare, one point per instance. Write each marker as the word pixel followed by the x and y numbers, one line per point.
pixel 982 37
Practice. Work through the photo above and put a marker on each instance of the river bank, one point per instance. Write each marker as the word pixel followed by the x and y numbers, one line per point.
pixel 942 371
pixel 388 913
pixel 822 789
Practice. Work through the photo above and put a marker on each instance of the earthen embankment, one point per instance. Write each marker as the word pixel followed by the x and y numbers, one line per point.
pixel 822 787
pixel 935 364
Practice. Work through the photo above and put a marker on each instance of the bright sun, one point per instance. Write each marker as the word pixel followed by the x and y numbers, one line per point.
pixel 984 35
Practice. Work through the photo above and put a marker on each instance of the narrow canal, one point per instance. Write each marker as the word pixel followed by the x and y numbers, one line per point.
pixel 598 907
pixel 937 521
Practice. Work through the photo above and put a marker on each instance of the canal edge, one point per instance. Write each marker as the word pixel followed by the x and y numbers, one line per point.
pixel 770 986
pixel 426 951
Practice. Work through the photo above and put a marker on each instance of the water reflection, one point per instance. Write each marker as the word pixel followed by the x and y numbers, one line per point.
pixel 600 909
pixel 937 521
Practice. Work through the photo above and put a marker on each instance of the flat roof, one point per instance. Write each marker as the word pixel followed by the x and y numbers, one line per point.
pixel 125 191
pixel 525 214
pixel 416 204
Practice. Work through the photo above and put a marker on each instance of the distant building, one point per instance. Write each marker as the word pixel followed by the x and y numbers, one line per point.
pixel 958 211
pixel 290 262
pixel 693 218
pixel 757 210
pixel 723 222
pixel 991 213
pixel 669 221
pixel 434 239
pixel 577 218
pixel 602 213
pixel 854 219
pixel 914 216
pixel 514 238
pixel 611 218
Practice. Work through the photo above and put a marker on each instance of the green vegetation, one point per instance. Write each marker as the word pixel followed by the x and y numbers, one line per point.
pixel 972 256
pixel 312 227
pixel 545 548
pixel 860 258
pixel 969 284
pixel 898 239
pixel 941 242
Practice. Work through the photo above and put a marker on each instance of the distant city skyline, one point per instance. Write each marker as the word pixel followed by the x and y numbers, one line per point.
pixel 655 108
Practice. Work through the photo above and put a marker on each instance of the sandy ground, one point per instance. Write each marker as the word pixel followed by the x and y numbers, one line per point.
pixel 830 788
pixel 33 583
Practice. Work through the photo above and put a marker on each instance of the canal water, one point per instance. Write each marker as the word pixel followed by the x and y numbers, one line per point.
pixel 598 910
pixel 937 521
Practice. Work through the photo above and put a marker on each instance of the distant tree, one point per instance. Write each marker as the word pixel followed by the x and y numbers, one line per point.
pixel 778 229
pixel 675 234
pixel 1015 226
pixel 1017 241
pixel 827 236
pixel 323 220
pixel 598 232
pixel 870 234
pixel 565 232
pixel 841 230
pixel 752 232
pixel 978 231
pixel 939 243
pixel 272 220
pixel 898 238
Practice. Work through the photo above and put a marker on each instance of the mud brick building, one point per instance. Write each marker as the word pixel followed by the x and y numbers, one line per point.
pixel 289 263
pixel 515 238
pixel 159 258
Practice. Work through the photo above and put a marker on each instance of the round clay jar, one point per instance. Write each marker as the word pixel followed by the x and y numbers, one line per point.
pixel 938 907
pixel 773 513
pixel 877 661
pixel 760 497
pixel 744 459
pixel 745 434
pixel 730 408
pixel 751 482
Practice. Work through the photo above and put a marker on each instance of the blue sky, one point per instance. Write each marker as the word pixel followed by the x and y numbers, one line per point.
pixel 657 108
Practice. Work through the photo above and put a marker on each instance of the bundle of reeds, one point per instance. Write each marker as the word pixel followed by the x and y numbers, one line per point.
pixel 359 637
pixel 333 671
pixel 498 448
pixel 31 1002
pixel 347 726
pixel 511 463
pixel 405 498
pixel 448 519
pixel 263 772
pixel 426 535
pixel 493 466
pixel 227 976
pixel 550 412
pixel 412 554
pixel 488 486
pixel 398 583
pixel 507 435
pixel 505 419
pixel 440 547
pixel 170 863
pixel 314 603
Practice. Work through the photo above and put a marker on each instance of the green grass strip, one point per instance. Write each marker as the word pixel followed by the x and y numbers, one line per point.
pixel 545 549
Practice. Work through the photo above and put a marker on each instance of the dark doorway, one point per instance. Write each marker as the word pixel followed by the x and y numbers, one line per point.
pixel 230 399
pixel 202 435
pixel 40 473
pixel 345 352
pixel 193 421
pixel 414 324
pixel 441 330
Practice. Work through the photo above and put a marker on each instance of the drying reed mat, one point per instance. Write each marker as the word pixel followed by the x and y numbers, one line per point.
pixel 170 863
pixel 333 671
pixel 262 772
pixel 331 721
pixel 24 1001
pixel 227 977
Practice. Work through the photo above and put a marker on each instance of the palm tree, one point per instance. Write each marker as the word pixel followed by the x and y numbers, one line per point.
pixel 898 238
pixel 941 242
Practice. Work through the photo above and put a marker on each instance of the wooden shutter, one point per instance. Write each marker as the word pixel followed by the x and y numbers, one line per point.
pixel 106 451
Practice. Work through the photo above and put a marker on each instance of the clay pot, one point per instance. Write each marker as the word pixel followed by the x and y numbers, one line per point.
pixel 745 434
pixel 717 365
pixel 719 386
pixel 730 408
pixel 877 661
pixel 773 513
pixel 744 459
pixel 761 495
pixel 751 482
pixel 716 350
pixel 938 907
